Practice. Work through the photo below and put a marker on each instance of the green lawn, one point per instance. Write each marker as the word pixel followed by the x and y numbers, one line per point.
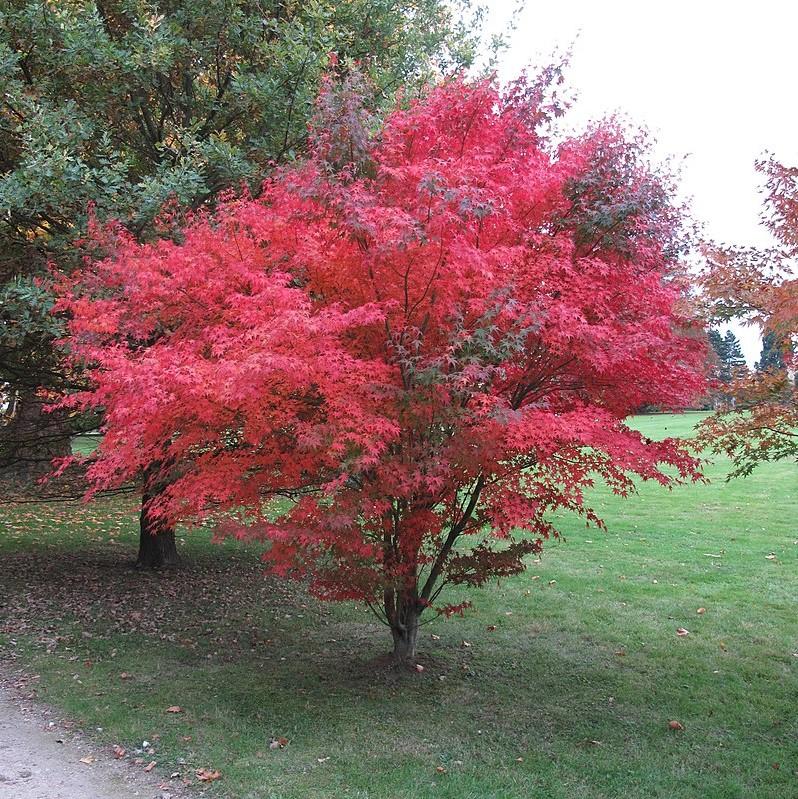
pixel 570 696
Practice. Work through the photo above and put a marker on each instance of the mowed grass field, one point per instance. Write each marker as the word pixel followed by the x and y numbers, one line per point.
pixel 559 683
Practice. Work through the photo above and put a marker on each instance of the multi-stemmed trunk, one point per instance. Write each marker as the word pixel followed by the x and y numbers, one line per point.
pixel 403 613
pixel 157 546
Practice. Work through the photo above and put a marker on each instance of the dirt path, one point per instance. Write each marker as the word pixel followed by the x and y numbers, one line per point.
pixel 39 763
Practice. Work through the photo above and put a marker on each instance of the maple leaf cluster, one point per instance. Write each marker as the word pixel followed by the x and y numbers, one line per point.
pixel 428 351
pixel 759 422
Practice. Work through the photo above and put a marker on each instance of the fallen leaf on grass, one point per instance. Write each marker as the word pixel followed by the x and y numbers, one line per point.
pixel 682 632
pixel 620 653
pixel 125 676
pixel 440 769
pixel 278 743
pixel 119 751
pixel 701 611
pixel 88 760
pixel 208 775
pixel 491 628
pixel 322 759
pixel 174 709
pixel 150 766
pixel 676 725
pixel 419 668
pixel 771 556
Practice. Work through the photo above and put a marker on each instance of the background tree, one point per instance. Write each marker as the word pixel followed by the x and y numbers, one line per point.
pixel 122 105
pixel 772 356
pixel 428 350
pixel 759 286
pixel 730 360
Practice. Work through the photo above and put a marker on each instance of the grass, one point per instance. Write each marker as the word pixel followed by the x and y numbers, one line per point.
pixel 569 696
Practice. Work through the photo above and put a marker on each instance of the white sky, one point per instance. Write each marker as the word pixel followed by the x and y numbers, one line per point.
pixel 713 81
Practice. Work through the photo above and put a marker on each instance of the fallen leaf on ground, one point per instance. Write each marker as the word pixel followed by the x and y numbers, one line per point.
pixel 491 628
pixel 419 667
pixel 701 611
pixel 440 769
pixel 681 632
pixel 771 556
pixel 676 725
pixel 278 743
pixel 119 751
pixel 150 766
pixel 322 759
pixel 174 709
pixel 88 760
pixel 208 775
pixel 620 653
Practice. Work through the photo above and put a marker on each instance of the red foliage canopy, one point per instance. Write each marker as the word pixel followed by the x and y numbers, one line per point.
pixel 433 346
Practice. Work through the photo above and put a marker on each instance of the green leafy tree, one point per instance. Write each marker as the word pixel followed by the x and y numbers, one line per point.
pixel 122 105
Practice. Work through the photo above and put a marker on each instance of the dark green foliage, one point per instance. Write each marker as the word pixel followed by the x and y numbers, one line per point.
pixel 731 362
pixel 772 355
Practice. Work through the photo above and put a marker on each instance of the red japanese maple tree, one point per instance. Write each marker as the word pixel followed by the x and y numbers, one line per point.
pixel 428 349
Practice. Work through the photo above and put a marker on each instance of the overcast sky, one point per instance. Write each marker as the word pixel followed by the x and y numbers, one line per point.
pixel 713 81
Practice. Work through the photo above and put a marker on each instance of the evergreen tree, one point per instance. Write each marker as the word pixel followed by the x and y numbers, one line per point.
pixel 734 365
pixel 730 359
pixel 772 355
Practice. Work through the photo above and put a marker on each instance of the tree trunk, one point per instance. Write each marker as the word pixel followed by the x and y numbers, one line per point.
pixel 157 546
pixel 404 629
pixel 31 438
